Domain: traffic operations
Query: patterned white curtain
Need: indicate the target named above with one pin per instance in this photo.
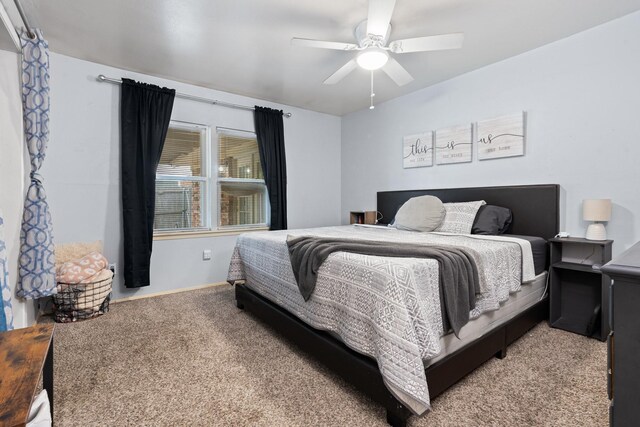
(6, 314)
(36, 262)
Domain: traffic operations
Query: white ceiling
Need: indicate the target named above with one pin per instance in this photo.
(243, 46)
(5, 40)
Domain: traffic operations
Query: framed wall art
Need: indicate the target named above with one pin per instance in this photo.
(417, 150)
(501, 137)
(453, 145)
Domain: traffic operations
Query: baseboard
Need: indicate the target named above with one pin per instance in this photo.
(168, 292)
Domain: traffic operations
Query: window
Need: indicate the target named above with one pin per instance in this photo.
(190, 197)
(242, 191)
(181, 179)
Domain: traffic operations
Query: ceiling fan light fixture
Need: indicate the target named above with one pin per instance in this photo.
(372, 58)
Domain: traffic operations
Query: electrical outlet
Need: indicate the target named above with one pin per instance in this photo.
(112, 267)
(206, 255)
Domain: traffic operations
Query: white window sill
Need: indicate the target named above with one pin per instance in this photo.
(174, 235)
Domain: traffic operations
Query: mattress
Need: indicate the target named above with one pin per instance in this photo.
(539, 248)
(530, 293)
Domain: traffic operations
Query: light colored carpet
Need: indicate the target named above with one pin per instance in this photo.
(195, 359)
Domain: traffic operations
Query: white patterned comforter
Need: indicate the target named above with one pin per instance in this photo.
(386, 308)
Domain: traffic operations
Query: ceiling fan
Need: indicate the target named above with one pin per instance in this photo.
(372, 36)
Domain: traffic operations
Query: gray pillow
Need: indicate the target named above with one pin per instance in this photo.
(491, 220)
(424, 213)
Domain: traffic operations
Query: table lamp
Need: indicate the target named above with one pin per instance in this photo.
(596, 210)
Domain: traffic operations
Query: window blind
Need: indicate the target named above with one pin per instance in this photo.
(182, 152)
(238, 156)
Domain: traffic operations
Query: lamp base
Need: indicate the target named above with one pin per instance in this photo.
(596, 231)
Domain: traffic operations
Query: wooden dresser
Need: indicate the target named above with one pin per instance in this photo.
(624, 339)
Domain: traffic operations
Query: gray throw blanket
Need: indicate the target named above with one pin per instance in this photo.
(459, 280)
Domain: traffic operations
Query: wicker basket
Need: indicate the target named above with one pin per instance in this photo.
(81, 301)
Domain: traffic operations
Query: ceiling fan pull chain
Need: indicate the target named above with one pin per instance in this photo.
(371, 107)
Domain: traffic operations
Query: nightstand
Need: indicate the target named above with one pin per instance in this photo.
(363, 217)
(579, 291)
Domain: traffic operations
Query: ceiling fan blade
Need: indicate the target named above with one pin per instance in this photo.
(428, 43)
(397, 72)
(341, 73)
(380, 12)
(323, 44)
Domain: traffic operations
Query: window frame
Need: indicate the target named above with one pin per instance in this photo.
(211, 183)
(204, 179)
(232, 181)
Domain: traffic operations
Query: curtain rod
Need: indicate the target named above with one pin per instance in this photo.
(23, 16)
(103, 78)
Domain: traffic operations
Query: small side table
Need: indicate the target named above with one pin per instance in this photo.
(363, 217)
(24, 355)
(579, 291)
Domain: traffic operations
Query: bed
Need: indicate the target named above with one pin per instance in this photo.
(393, 361)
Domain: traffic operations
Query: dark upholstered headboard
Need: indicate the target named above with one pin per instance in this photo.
(536, 208)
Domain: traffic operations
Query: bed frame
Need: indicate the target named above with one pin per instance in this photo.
(535, 213)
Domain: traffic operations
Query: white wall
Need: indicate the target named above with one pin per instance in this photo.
(582, 97)
(581, 94)
(12, 175)
(82, 173)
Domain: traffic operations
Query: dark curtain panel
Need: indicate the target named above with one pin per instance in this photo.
(145, 111)
(270, 135)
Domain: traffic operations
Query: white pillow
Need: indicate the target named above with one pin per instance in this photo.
(424, 213)
(459, 217)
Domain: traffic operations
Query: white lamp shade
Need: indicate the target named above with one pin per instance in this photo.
(596, 209)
